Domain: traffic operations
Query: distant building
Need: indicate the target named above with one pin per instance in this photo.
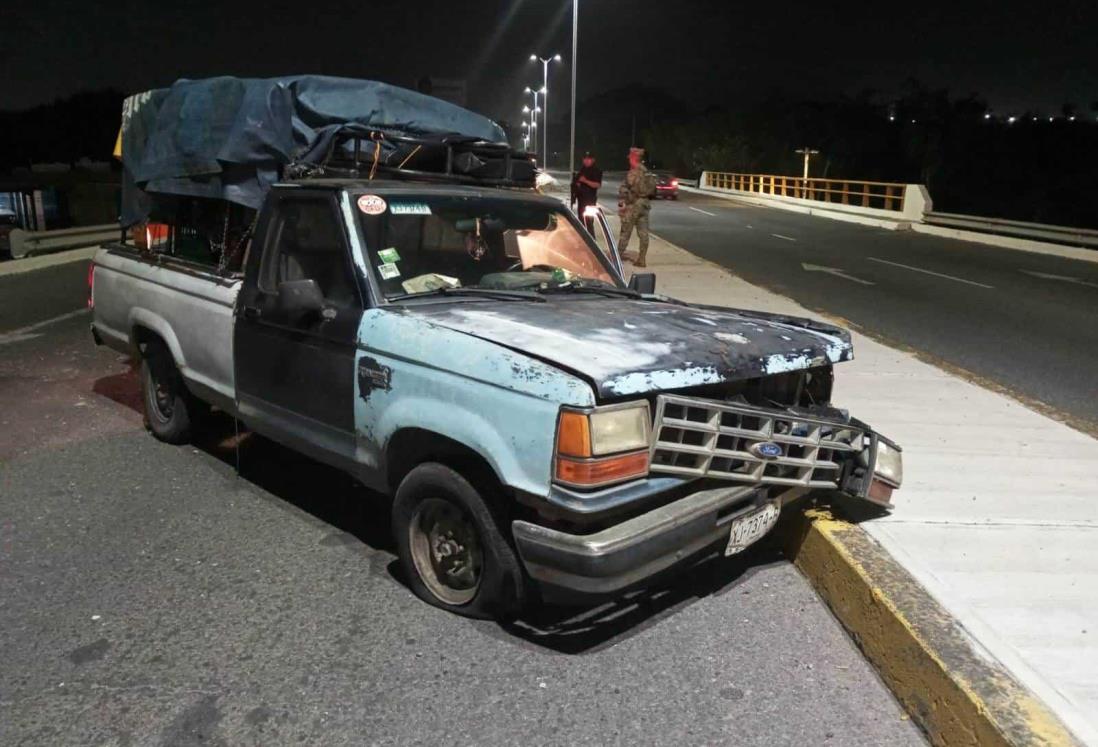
(447, 89)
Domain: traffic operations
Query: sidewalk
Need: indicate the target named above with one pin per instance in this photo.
(998, 515)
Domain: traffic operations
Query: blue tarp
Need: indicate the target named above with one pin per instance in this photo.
(230, 138)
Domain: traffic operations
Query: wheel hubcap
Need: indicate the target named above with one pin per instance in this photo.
(446, 551)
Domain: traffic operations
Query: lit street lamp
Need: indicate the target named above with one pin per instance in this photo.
(536, 111)
(545, 92)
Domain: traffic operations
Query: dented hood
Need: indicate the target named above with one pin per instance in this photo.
(625, 347)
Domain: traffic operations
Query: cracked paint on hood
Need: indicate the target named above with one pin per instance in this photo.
(625, 347)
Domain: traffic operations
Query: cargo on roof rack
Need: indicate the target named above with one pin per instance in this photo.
(355, 151)
(232, 138)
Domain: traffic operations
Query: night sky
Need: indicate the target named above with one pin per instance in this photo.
(1017, 55)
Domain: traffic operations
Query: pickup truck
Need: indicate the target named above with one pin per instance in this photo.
(542, 426)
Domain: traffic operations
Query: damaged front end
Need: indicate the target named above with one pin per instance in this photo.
(678, 473)
(814, 447)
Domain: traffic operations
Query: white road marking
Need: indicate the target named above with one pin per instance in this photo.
(931, 272)
(703, 212)
(750, 226)
(29, 332)
(834, 271)
(1063, 278)
(779, 236)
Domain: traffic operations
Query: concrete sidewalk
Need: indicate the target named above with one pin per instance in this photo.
(998, 515)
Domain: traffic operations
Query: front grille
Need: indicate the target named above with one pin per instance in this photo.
(706, 438)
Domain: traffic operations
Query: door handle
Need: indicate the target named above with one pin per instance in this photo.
(250, 312)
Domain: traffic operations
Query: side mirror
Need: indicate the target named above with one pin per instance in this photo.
(643, 282)
(300, 298)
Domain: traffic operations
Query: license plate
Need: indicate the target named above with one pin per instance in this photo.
(747, 529)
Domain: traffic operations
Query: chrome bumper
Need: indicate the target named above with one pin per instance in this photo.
(629, 552)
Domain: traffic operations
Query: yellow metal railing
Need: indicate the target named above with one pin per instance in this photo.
(879, 195)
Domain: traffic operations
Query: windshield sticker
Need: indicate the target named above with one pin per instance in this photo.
(388, 271)
(410, 208)
(371, 204)
(390, 255)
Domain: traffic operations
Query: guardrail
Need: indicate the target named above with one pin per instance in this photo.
(26, 243)
(877, 195)
(1001, 227)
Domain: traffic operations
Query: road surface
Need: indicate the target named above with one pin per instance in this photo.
(1017, 320)
(151, 595)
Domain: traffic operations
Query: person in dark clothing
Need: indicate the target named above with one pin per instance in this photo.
(585, 187)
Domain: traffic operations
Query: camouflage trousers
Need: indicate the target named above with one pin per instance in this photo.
(634, 219)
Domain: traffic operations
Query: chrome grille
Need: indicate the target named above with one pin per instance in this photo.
(706, 438)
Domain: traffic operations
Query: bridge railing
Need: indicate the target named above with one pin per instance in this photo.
(856, 193)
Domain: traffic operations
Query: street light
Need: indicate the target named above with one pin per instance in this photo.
(808, 152)
(534, 113)
(572, 131)
(545, 92)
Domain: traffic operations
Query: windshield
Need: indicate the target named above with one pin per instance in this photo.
(421, 244)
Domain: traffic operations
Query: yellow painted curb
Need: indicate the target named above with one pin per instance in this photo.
(958, 695)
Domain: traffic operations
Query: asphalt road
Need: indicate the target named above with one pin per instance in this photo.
(153, 595)
(1026, 322)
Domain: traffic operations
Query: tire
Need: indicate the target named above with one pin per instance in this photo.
(477, 573)
(169, 408)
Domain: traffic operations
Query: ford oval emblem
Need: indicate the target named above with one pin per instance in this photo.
(766, 450)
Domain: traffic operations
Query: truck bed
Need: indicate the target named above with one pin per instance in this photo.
(187, 305)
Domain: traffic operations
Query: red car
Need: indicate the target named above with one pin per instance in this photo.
(667, 186)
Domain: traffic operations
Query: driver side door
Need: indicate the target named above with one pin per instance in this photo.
(294, 350)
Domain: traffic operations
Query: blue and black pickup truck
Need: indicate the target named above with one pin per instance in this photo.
(466, 347)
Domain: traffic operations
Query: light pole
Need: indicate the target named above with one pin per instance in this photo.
(545, 93)
(533, 125)
(808, 153)
(526, 136)
(572, 132)
(533, 116)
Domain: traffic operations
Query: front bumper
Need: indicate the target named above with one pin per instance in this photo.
(635, 549)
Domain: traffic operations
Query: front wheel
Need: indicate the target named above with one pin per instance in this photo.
(451, 546)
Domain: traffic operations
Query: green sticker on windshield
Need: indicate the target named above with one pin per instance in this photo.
(388, 256)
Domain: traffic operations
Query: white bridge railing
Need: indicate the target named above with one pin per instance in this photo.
(1001, 227)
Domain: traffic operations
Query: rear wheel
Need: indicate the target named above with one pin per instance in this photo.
(168, 405)
(452, 547)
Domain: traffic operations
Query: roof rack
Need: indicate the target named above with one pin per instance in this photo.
(454, 159)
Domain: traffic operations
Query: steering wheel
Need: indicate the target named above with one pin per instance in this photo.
(538, 268)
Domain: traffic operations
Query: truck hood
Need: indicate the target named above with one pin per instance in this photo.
(625, 346)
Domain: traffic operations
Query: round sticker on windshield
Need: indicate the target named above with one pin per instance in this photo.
(371, 204)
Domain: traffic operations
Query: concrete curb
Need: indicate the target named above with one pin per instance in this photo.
(956, 692)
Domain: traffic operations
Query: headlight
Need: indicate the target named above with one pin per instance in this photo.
(889, 464)
(624, 429)
(603, 445)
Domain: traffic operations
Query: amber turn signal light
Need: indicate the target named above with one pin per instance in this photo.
(574, 434)
(592, 472)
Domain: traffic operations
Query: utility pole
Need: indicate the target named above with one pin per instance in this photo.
(572, 134)
(808, 153)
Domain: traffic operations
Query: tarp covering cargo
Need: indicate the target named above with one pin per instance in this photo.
(231, 138)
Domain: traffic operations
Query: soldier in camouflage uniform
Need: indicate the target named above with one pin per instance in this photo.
(633, 204)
